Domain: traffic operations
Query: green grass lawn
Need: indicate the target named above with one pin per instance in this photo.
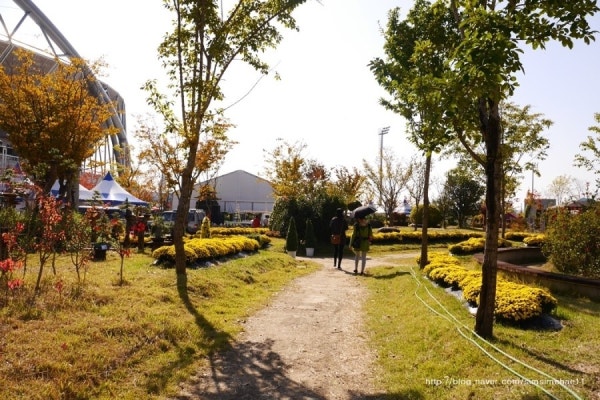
(427, 349)
(103, 340)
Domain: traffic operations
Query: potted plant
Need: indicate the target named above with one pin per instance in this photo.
(102, 232)
(310, 240)
(158, 231)
(291, 240)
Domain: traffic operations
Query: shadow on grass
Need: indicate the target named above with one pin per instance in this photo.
(579, 304)
(390, 275)
(216, 340)
(539, 356)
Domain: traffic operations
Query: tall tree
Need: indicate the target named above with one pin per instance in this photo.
(287, 168)
(561, 187)
(348, 185)
(591, 145)
(523, 146)
(485, 62)
(53, 121)
(464, 194)
(482, 57)
(167, 155)
(206, 40)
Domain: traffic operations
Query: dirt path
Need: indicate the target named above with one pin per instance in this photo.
(309, 343)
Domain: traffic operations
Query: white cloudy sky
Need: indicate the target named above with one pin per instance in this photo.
(327, 97)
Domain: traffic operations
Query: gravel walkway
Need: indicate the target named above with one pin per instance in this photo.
(308, 343)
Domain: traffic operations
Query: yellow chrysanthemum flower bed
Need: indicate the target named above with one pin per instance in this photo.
(450, 275)
(437, 260)
(433, 236)
(387, 237)
(520, 302)
(517, 236)
(197, 249)
(535, 240)
(474, 245)
(236, 231)
(514, 301)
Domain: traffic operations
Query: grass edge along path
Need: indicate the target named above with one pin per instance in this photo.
(427, 349)
(138, 340)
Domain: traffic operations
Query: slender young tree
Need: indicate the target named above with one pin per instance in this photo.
(417, 183)
(464, 193)
(412, 72)
(349, 185)
(207, 38)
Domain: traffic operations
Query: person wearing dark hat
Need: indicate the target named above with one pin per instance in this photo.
(338, 227)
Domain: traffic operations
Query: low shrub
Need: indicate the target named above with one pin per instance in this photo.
(388, 236)
(236, 231)
(437, 258)
(571, 242)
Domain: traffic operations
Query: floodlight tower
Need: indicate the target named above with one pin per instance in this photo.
(382, 131)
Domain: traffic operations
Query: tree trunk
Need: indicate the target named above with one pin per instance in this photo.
(180, 225)
(502, 203)
(417, 216)
(484, 319)
(187, 187)
(424, 234)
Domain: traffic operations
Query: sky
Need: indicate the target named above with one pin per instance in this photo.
(327, 97)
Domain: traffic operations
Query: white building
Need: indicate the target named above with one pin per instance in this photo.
(239, 192)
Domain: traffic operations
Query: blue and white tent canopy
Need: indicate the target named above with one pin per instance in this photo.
(403, 208)
(111, 192)
(84, 194)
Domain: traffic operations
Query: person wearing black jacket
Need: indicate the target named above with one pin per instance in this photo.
(338, 227)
